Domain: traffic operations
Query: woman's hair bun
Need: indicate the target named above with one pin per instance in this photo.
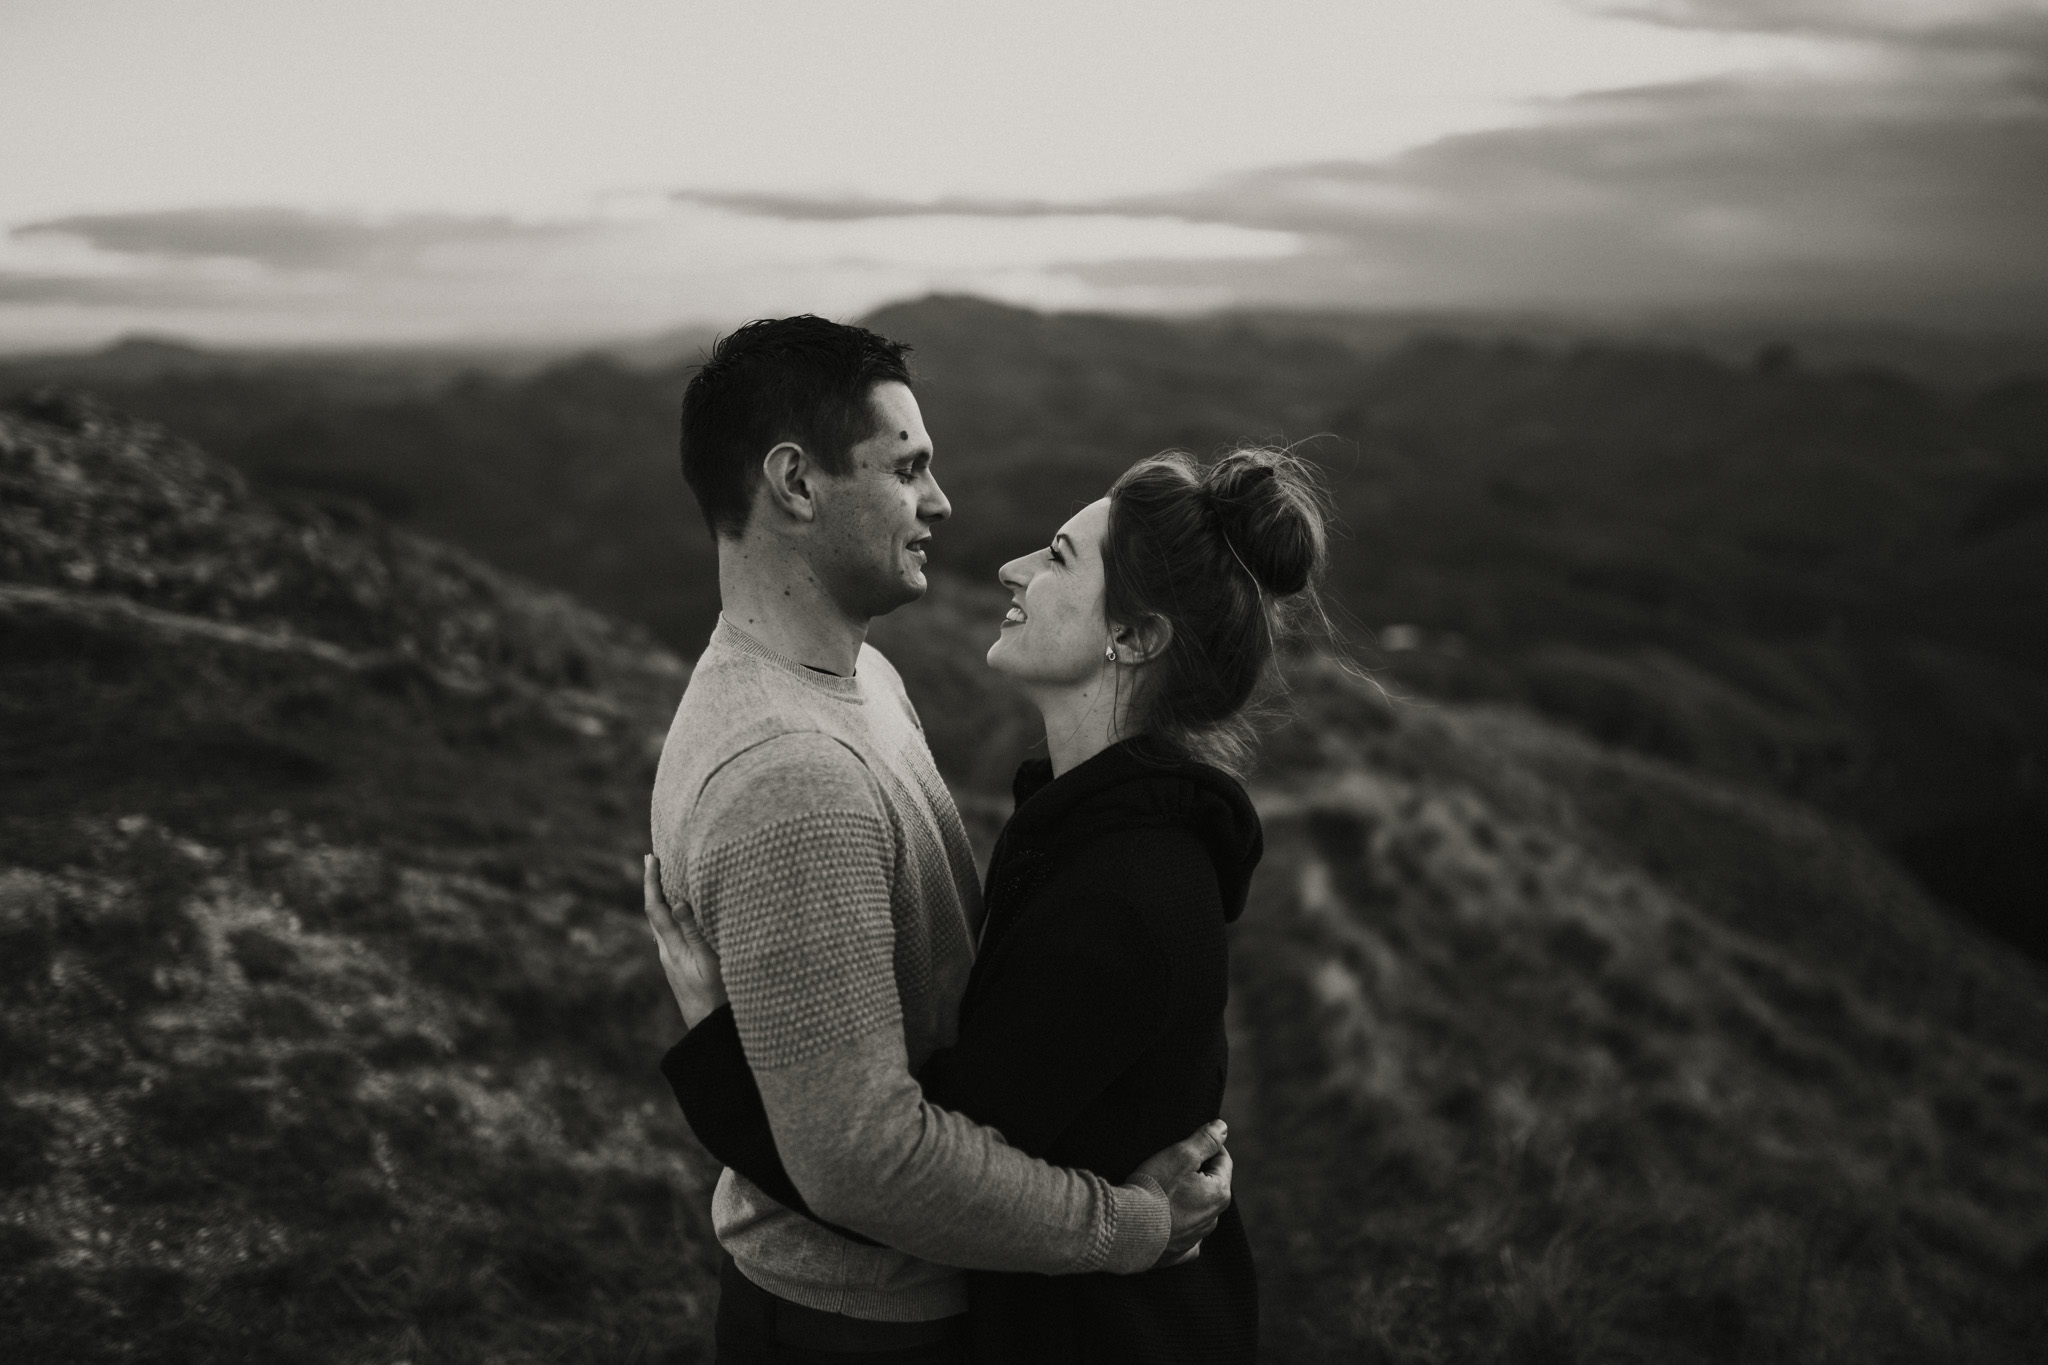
(1269, 507)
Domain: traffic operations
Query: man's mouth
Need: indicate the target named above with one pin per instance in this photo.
(1014, 616)
(919, 546)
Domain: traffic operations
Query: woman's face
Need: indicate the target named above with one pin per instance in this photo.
(1055, 633)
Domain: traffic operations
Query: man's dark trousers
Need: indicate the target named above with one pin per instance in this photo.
(757, 1328)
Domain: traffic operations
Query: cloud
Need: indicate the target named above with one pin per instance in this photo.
(1906, 185)
(1901, 180)
(27, 288)
(854, 208)
(284, 239)
(1908, 20)
(1733, 193)
(256, 276)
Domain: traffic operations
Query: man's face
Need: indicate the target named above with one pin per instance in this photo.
(874, 524)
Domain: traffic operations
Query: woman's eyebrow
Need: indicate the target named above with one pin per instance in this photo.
(1058, 536)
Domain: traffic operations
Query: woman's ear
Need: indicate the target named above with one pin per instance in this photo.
(1143, 642)
(786, 475)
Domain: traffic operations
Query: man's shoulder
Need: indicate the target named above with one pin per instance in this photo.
(874, 669)
(786, 776)
(734, 701)
(873, 658)
(882, 684)
(746, 742)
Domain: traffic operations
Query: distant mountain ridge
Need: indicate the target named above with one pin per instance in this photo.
(1937, 356)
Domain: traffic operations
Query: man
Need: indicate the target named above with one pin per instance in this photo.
(798, 811)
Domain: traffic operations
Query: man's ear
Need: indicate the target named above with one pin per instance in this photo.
(1143, 642)
(787, 479)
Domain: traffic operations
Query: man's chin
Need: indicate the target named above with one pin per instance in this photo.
(905, 592)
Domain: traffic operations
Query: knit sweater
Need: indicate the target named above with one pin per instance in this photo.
(1091, 1034)
(801, 816)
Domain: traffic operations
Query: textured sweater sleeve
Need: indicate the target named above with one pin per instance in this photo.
(794, 891)
(708, 1072)
(1086, 986)
(1067, 1015)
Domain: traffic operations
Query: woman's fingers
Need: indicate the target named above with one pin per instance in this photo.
(659, 918)
(686, 924)
(650, 883)
(675, 926)
(687, 960)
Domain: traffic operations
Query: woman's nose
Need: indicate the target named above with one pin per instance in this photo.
(1016, 574)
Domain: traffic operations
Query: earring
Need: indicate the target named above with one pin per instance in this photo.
(1110, 652)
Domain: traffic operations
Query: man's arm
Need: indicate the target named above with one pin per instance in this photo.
(708, 1072)
(1083, 991)
(797, 903)
(1072, 1009)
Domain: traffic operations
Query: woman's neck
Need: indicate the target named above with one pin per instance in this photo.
(1081, 722)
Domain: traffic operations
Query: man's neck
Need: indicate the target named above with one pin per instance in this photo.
(769, 591)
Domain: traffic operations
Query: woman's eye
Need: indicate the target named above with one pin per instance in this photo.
(1055, 555)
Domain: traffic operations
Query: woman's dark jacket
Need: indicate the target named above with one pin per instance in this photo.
(1091, 1034)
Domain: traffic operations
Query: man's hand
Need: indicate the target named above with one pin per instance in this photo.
(686, 959)
(1195, 1173)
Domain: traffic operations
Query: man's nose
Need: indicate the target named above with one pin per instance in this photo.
(934, 506)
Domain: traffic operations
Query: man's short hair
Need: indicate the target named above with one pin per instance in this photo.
(800, 379)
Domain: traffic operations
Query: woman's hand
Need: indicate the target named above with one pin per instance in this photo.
(686, 959)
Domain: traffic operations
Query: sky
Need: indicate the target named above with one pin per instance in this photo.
(257, 172)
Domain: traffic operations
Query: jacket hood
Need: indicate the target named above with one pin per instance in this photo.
(1132, 786)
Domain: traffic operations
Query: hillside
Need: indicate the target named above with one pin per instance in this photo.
(1561, 1053)
(329, 1014)
(1823, 581)
(331, 1019)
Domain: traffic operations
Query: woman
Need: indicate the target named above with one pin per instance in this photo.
(1091, 1032)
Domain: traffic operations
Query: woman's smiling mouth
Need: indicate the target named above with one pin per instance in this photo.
(1014, 616)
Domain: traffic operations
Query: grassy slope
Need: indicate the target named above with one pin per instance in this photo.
(329, 1016)
(1560, 1053)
